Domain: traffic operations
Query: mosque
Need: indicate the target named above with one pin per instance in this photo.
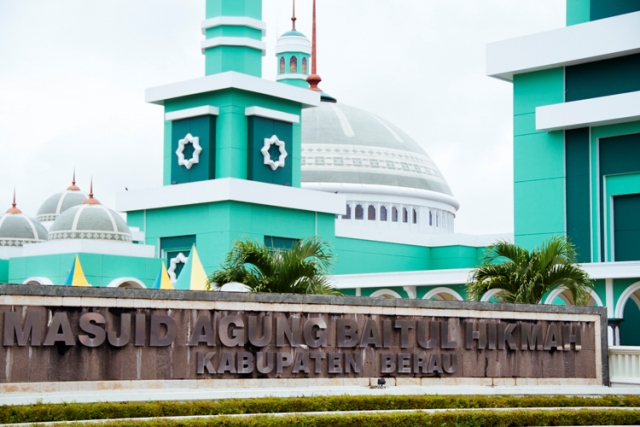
(279, 161)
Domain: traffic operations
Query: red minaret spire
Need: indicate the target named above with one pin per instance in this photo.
(314, 79)
(293, 18)
(91, 200)
(73, 186)
(14, 209)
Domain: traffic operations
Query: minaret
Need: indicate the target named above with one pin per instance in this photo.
(234, 31)
(293, 51)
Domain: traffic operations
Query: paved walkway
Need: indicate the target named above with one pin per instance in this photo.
(317, 414)
(209, 394)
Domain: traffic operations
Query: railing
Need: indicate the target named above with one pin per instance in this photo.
(624, 365)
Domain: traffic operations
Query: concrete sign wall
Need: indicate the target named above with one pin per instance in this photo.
(53, 336)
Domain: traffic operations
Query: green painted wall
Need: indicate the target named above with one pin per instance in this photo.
(578, 11)
(249, 8)
(203, 128)
(603, 78)
(448, 257)
(626, 220)
(578, 191)
(260, 129)
(629, 327)
(233, 58)
(539, 162)
(601, 9)
(99, 270)
(232, 130)
(363, 256)
(217, 225)
(4, 271)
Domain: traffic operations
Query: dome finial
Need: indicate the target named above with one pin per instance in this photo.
(293, 18)
(73, 186)
(314, 79)
(14, 209)
(91, 200)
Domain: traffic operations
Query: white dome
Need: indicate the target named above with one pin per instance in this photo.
(17, 229)
(58, 203)
(90, 221)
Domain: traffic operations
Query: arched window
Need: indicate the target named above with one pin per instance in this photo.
(437, 219)
(430, 218)
(371, 214)
(405, 215)
(304, 65)
(348, 215)
(359, 212)
(383, 213)
(394, 214)
(415, 216)
(293, 65)
(282, 65)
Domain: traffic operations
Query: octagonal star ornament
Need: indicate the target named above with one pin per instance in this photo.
(197, 149)
(268, 142)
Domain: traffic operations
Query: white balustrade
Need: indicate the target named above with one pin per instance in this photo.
(624, 365)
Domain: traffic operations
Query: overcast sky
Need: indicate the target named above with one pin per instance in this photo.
(73, 75)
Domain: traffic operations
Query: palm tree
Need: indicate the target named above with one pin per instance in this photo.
(299, 270)
(526, 276)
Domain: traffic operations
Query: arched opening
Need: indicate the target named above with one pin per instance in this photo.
(282, 65)
(43, 281)
(405, 215)
(348, 215)
(371, 214)
(415, 216)
(430, 218)
(359, 212)
(304, 66)
(386, 294)
(628, 308)
(383, 213)
(491, 296)
(293, 65)
(126, 282)
(443, 294)
(562, 296)
(394, 214)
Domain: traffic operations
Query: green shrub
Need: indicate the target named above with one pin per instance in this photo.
(93, 411)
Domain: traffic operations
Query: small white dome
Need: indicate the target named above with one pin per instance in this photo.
(60, 202)
(17, 229)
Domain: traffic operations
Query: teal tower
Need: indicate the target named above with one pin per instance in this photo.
(232, 152)
(293, 52)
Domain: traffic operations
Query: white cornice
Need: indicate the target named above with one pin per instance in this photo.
(288, 76)
(606, 110)
(406, 278)
(230, 189)
(576, 44)
(613, 270)
(383, 190)
(207, 110)
(293, 44)
(233, 41)
(234, 21)
(56, 247)
(272, 114)
(233, 80)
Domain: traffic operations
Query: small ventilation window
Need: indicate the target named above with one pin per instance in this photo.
(282, 65)
(371, 214)
(359, 212)
(293, 65)
(394, 214)
(405, 215)
(348, 215)
(383, 213)
(415, 216)
(430, 218)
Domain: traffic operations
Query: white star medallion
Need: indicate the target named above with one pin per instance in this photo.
(197, 149)
(268, 142)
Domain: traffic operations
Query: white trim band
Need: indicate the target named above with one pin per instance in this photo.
(230, 189)
(576, 44)
(235, 42)
(206, 110)
(293, 45)
(288, 76)
(606, 110)
(234, 21)
(271, 114)
(233, 80)
(383, 190)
